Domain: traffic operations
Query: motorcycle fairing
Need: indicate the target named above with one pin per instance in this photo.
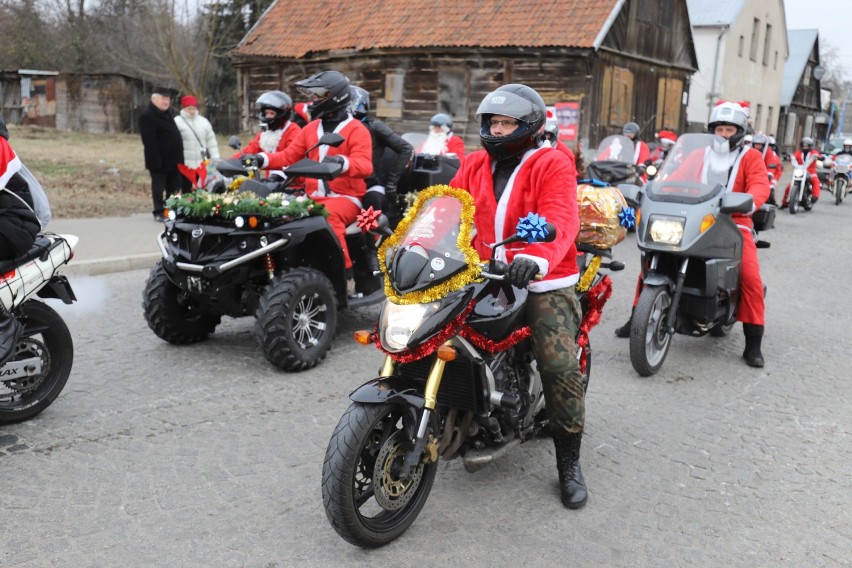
(499, 309)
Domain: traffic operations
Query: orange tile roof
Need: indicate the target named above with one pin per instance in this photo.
(293, 29)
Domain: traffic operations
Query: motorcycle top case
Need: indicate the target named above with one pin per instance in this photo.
(764, 218)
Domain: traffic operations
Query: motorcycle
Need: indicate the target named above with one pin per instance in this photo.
(37, 370)
(800, 186)
(839, 179)
(459, 378)
(613, 162)
(256, 250)
(691, 253)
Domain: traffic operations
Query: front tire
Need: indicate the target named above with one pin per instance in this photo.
(172, 314)
(793, 198)
(45, 337)
(722, 330)
(649, 340)
(839, 190)
(296, 319)
(364, 498)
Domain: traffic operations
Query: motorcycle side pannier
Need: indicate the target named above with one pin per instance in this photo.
(599, 222)
(764, 218)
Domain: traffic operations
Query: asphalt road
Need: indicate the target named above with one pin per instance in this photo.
(205, 455)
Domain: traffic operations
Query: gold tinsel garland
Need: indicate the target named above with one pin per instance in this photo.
(456, 282)
(589, 274)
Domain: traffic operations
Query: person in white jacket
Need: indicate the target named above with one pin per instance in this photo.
(199, 140)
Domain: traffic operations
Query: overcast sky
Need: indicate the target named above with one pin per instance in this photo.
(831, 18)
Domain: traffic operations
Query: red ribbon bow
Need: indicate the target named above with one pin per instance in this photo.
(368, 219)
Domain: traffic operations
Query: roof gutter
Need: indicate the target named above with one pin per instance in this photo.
(608, 24)
(712, 94)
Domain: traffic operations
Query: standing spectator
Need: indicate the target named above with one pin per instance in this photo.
(163, 148)
(199, 140)
(441, 141)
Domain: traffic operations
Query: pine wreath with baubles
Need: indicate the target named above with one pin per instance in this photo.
(202, 204)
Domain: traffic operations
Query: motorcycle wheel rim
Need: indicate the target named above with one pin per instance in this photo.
(656, 338)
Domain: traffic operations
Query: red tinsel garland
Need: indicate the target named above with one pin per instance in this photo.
(428, 346)
(597, 297)
(482, 342)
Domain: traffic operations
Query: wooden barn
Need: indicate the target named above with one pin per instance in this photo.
(601, 63)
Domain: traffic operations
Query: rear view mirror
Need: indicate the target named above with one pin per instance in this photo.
(737, 203)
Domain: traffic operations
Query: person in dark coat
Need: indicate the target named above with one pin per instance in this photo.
(18, 229)
(163, 148)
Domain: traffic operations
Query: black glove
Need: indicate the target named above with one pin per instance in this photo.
(390, 190)
(251, 161)
(521, 271)
(334, 160)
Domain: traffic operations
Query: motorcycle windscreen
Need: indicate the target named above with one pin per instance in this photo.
(428, 252)
(615, 148)
(692, 172)
(842, 163)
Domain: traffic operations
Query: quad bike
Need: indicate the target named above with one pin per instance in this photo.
(262, 252)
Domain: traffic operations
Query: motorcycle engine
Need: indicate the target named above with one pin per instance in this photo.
(511, 377)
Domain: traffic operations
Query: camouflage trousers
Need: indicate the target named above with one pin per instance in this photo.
(554, 317)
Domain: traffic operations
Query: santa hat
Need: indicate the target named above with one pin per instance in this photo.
(667, 135)
(302, 110)
(188, 101)
(741, 106)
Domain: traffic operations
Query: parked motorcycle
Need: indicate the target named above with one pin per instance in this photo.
(691, 254)
(458, 379)
(613, 162)
(37, 370)
(800, 187)
(839, 178)
(260, 251)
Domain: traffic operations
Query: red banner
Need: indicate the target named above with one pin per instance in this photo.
(568, 119)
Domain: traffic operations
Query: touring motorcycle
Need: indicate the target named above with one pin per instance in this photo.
(459, 378)
(37, 370)
(261, 250)
(691, 253)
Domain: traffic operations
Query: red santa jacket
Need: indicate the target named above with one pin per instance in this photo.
(543, 183)
(568, 152)
(288, 134)
(770, 159)
(455, 145)
(356, 150)
(799, 158)
(641, 153)
(748, 175)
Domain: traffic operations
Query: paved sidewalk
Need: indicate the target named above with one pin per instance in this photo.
(111, 244)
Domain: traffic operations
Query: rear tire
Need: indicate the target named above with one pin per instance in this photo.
(172, 314)
(296, 319)
(45, 336)
(722, 330)
(363, 453)
(649, 341)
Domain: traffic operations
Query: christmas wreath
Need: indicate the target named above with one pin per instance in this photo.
(202, 204)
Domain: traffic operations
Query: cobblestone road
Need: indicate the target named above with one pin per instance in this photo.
(156, 455)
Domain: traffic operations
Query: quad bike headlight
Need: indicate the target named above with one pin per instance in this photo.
(400, 322)
(666, 230)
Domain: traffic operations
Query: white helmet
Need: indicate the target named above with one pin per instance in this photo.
(734, 114)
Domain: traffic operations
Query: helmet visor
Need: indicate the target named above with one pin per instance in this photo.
(507, 104)
(317, 93)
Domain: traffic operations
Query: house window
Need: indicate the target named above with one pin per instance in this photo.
(617, 96)
(806, 80)
(742, 44)
(453, 94)
(669, 99)
(791, 129)
(766, 41)
(755, 31)
(769, 126)
(775, 63)
(756, 124)
(390, 106)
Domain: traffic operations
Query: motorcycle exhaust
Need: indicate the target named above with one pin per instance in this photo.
(474, 460)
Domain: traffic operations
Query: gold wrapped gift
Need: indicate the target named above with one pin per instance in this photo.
(599, 222)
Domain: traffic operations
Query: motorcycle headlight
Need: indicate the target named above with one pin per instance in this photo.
(666, 230)
(400, 322)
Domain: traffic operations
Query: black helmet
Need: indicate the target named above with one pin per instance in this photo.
(631, 130)
(521, 103)
(442, 119)
(360, 104)
(278, 101)
(327, 90)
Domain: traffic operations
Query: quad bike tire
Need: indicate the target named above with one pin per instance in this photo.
(172, 314)
(649, 341)
(296, 319)
(46, 337)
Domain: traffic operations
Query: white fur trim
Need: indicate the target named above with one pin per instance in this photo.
(345, 163)
(555, 284)
(543, 264)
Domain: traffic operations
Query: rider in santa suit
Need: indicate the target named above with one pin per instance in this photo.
(805, 151)
(513, 175)
(329, 93)
(277, 130)
(641, 153)
(760, 142)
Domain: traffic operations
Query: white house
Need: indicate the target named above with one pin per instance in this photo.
(741, 47)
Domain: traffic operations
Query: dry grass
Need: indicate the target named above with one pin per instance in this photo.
(88, 175)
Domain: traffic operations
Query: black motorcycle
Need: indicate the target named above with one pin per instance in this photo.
(257, 250)
(459, 377)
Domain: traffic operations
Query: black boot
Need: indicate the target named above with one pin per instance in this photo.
(624, 330)
(10, 333)
(754, 337)
(571, 482)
